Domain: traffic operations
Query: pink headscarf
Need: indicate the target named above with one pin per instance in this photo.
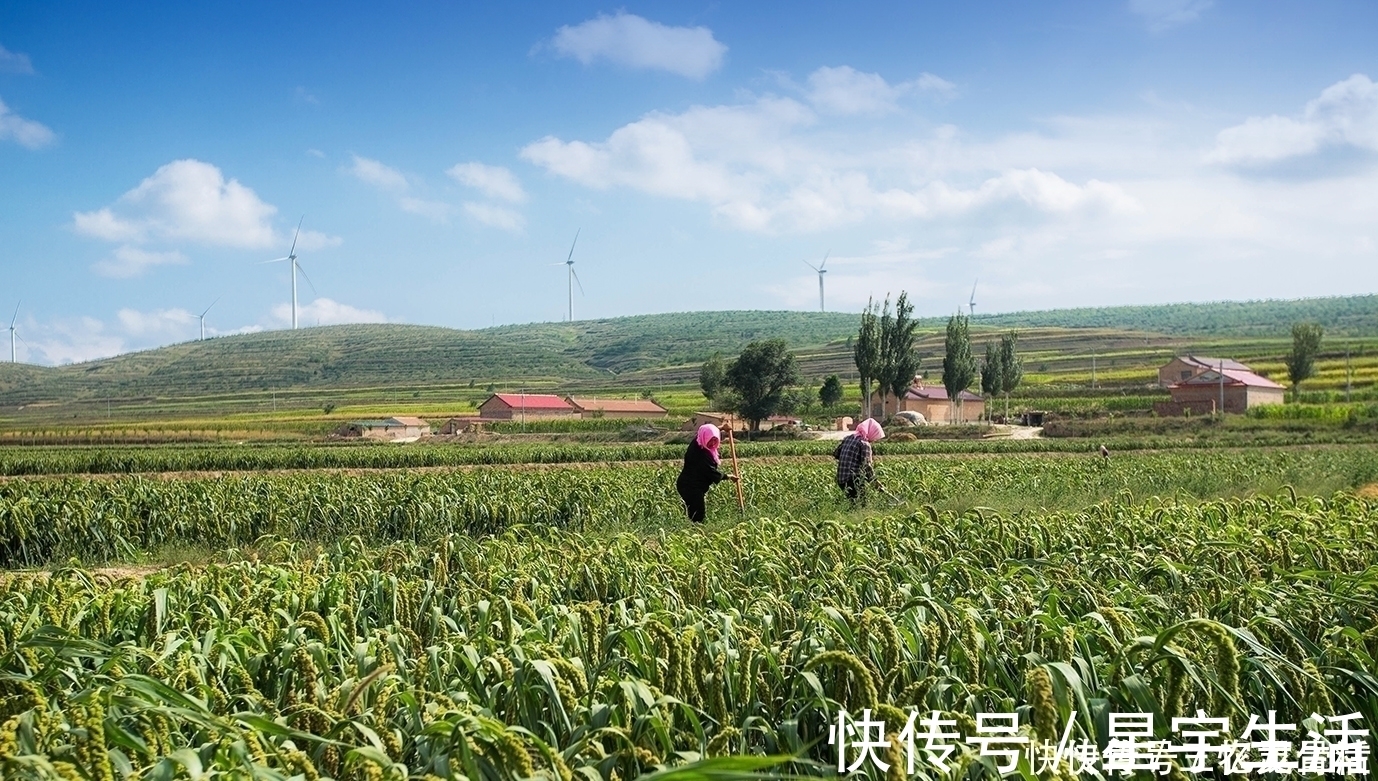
(708, 439)
(869, 430)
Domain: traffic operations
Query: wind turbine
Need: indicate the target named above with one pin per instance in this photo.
(821, 271)
(292, 257)
(202, 318)
(971, 304)
(12, 334)
(573, 277)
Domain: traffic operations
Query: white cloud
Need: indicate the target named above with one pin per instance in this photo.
(131, 262)
(25, 132)
(494, 216)
(758, 169)
(171, 324)
(14, 62)
(437, 211)
(377, 174)
(190, 200)
(311, 241)
(845, 90)
(629, 40)
(399, 185)
(1345, 114)
(324, 311)
(1162, 14)
(492, 180)
(315, 153)
(67, 341)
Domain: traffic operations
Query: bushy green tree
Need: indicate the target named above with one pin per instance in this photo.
(712, 375)
(831, 391)
(902, 362)
(866, 353)
(1301, 362)
(1011, 366)
(990, 370)
(760, 376)
(959, 365)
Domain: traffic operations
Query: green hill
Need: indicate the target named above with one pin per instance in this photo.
(597, 353)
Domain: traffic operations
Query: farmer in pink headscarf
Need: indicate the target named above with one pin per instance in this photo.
(700, 471)
(855, 467)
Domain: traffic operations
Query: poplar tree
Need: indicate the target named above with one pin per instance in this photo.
(959, 365)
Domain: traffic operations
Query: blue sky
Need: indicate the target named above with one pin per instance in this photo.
(444, 155)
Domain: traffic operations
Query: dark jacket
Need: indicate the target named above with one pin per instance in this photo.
(699, 472)
(854, 464)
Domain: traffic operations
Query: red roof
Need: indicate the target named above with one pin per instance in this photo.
(532, 401)
(1232, 378)
(937, 393)
(585, 404)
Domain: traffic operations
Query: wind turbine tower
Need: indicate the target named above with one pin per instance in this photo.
(202, 318)
(12, 321)
(573, 277)
(291, 258)
(821, 271)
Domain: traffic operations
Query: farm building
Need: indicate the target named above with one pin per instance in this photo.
(459, 424)
(931, 402)
(722, 420)
(1201, 393)
(515, 406)
(1184, 367)
(398, 429)
(616, 408)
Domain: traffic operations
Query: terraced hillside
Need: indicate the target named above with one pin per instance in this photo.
(644, 351)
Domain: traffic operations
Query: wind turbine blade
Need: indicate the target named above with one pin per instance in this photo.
(825, 260)
(571, 246)
(20, 338)
(308, 279)
(295, 235)
(16, 314)
(274, 260)
(577, 282)
(213, 303)
(810, 265)
(973, 291)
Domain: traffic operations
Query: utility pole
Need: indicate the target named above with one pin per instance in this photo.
(1349, 375)
(1221, 372)
(1093, 371)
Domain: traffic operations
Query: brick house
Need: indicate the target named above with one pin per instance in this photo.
(1201, 393)
(515, 406)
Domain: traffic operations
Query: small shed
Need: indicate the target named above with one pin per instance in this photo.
(460, 424)
(515, 406)
(395, 429)
(720, 419)
(639, 409)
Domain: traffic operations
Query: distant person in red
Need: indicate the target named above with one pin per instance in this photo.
(700, 471)
(855, 464)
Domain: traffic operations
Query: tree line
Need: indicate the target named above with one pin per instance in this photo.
(760, 382)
